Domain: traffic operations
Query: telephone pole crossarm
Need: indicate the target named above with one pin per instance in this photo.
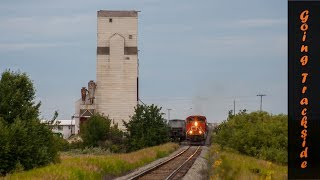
(261, 95)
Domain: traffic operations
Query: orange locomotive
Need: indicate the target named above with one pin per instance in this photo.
(196, 128)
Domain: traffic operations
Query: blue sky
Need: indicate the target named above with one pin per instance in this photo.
(196, 57)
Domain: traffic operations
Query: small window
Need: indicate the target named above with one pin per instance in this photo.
(69, 127)
(60, 127)
(110, 20)
(130, 36)
(127, 58)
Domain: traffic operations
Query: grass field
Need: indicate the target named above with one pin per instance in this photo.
(228, 164)
(96, 166)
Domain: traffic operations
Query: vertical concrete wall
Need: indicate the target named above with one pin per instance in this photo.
(117, 64)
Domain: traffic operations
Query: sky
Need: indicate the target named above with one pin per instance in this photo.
(195, 57)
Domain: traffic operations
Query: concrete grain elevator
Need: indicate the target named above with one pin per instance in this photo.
(116, 87)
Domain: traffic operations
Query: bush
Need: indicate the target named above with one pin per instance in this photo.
(147, 127)
(26, 145)
(257, 134)
(6, 156)
(61, 144)
(95, 130)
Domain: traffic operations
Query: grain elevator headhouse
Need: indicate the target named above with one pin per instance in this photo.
(117, 64)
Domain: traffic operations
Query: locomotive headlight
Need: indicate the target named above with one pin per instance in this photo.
(190, 132)
(196, 123)
(200, 132)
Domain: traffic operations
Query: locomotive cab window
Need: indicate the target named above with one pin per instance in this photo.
(201, 119)
(190, 119)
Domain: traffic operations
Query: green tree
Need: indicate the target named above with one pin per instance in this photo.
(6, 156)
(17, 97)
(147, 127)
(32, 144)
(25, 143)
(95, 130)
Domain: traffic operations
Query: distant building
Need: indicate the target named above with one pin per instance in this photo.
(115, 93)
(64, 127)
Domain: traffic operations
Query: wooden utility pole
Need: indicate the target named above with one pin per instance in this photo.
(234, 107)
(261, 95)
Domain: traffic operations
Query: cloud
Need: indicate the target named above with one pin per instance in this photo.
(48, 26)
(22, 46)
(260, 22)
(168, 28)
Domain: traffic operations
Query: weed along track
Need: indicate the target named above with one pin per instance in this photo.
(174, 168)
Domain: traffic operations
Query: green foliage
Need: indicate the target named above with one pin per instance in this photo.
(25, 143)
(6, 163)
(257, 134)
(95, 130)
(17, 97)
(60, 143)
(118, 140)
(229, 164)
(53, 124)
(147, 127)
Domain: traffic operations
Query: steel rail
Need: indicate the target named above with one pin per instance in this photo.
(178, 169)
(158, 165)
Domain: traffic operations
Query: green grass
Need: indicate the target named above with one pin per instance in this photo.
(229, 164)
(96, 166)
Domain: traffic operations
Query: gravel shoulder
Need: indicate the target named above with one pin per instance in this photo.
(199, 168)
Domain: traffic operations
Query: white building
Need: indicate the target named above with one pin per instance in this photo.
(65, 127)
(115, 93)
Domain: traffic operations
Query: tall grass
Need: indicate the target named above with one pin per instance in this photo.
(96, 166)
(229, 164)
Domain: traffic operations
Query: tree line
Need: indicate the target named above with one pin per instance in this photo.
(26, 143)
(257, 134)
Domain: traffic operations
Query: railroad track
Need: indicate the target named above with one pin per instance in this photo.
(173, 168)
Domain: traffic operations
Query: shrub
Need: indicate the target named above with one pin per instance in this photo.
(256, 134)
(95, 130)
(6, 156)
(147, 127)
(26, 145)
(61, 144)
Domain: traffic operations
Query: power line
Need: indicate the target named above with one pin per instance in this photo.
(141, 101)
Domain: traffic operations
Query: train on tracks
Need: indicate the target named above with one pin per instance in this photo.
(194, 129)
(177, 129)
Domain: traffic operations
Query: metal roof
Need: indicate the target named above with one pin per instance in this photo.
(63, 122)
(107, 13)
